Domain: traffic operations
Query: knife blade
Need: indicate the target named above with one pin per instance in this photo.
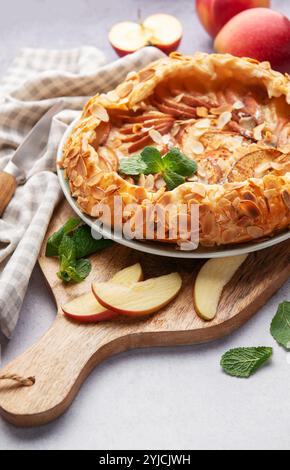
(22, 161)
(34, 143)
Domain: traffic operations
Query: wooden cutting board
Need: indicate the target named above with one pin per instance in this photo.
(67, 353)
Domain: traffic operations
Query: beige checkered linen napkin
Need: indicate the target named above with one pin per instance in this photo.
(37, 80)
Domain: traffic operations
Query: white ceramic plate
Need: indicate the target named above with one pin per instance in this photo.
(156, 248)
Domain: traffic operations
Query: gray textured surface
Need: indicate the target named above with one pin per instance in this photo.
(162, 398)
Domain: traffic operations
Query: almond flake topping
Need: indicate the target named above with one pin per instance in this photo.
(125, 89)
(255, 232)
(224, 119)
(132, 75)
(156, 136)
(238, 105)
(258, 132)
(198, 188)
(111, 189)
(197, 147)
(286, 198)
(78, 181)
(113, 96)
(248, 122)
(101, 113)
(160, 183)
(202, 111)
(94, 180)
(175, 130)
(202, 124)
(149, 182)
(146, 74)
(221, 109)
(178, 98)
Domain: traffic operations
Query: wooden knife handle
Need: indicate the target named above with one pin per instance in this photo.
(7, 189)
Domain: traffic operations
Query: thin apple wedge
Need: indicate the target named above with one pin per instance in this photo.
(129, 275)
(210, 281)
(87, 309)
(141, 298)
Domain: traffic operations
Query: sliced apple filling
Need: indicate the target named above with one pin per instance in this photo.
(225, 131)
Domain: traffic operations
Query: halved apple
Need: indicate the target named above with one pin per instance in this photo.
(162, 31)
(87, 309)
(166, 31)
(141, 298)
(210, 281)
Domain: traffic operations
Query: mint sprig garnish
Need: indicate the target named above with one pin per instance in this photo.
(243, 362)
(173, 179)
(133, 166)
(54, 240)
(67, 257)
(174, 166)
(71, 244)
(75, 272)
(71, 268)
(176, 161)
(280, 326)
(153, 160)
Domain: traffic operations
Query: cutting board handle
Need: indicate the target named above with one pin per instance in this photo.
(7, 189)
(59, 363)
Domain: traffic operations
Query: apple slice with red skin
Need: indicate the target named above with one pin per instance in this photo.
(87, 309)
(160, 30)
(140, 298)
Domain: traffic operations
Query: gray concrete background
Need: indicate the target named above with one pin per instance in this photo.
(172, 398)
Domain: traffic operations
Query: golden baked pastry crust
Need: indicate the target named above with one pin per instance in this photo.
(231, 115)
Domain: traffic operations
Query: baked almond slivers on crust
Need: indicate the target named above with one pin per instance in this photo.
(235, 129)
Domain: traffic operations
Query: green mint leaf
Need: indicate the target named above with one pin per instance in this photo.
(172, 179)
(85, 244)
(83, 268)
(243, 362)
(152, 158)
(79, 272)
(71, 224)
(174, 166)
(71, 244)
(132, 165)
(63, 276)
(71, 269)
(67, 252)
(55, 239)
(176, 161)
(67, 256)
(280, 326)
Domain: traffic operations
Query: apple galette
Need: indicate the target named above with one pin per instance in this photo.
(209, 130)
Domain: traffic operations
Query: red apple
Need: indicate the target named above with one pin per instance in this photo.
(160, 30)
(258, 33)
(214, 14)
(86, 309)
(141, 298)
